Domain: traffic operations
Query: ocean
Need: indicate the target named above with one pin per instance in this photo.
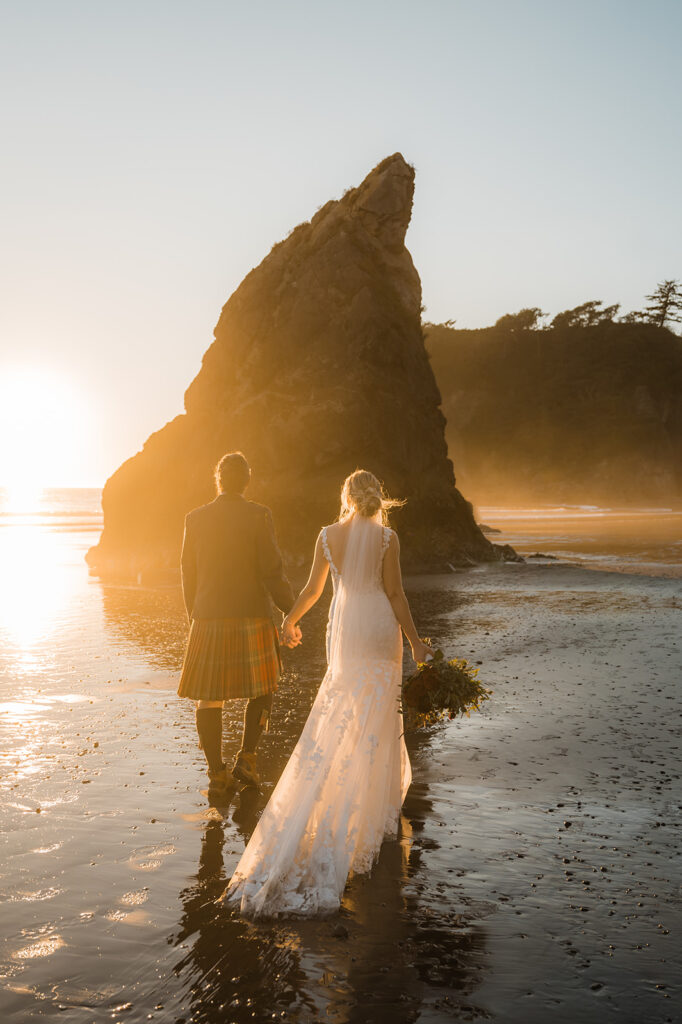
(647, 541)
(641, 540)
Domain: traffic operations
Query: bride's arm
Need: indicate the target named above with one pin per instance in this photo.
(311, 593)
(393, 585)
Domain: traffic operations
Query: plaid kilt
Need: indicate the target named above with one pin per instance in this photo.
(228, 658)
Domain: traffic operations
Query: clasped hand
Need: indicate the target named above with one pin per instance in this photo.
(290, 635)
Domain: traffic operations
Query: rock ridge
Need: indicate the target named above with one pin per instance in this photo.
(318, 366)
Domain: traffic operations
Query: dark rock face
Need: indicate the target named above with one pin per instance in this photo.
(318, 367)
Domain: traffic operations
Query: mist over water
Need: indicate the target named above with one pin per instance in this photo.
(646, 541)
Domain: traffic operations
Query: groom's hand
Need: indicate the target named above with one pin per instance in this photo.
(291, 635)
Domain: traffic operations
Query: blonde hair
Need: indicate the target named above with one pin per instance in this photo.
(362, 493)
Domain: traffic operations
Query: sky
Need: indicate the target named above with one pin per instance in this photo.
(153, 151)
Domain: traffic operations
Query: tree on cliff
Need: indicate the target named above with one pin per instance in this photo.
(524, 320)
(665, 304)
(589, 314)
(634, 317)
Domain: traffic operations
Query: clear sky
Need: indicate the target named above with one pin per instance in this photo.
(153, 151)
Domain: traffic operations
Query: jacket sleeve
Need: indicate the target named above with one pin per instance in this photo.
(270, 565)
(188, 567)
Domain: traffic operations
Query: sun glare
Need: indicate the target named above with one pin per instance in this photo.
(21, 498)
(34, 589)
(43, 421)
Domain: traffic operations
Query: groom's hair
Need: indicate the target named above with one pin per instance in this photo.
(232, 473)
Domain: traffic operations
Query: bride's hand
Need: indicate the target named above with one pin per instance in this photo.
(421, 652)
(291, 634)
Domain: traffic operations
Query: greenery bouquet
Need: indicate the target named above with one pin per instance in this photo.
(442, 688)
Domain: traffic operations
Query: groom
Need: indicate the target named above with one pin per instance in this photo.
(231, 571)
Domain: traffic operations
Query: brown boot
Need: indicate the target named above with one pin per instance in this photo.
(244, 769)
(221, 786)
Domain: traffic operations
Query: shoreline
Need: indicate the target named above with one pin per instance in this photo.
(472, 912)
(630, 539)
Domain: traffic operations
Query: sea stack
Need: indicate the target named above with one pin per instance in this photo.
(318, 367)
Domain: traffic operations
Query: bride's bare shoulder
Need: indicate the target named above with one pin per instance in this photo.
(334, 528)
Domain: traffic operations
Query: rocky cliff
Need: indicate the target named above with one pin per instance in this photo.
(318, 367)
(575, 415)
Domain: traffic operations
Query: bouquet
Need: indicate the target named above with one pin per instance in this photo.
(442, 688)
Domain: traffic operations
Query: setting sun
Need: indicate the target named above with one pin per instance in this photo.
(43, 419)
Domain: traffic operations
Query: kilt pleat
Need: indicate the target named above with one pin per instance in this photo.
(228, 658)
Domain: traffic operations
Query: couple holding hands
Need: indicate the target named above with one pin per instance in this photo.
(341, 792)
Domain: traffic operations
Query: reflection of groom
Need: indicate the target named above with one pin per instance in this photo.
(231, 567)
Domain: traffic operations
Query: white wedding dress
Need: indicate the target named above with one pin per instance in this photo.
(342, 789)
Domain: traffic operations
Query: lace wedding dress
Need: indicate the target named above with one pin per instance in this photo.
(342, 789)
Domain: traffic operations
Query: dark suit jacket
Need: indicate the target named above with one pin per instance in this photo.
(231, 562)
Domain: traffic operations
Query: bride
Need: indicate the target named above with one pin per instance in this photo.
(343, 787)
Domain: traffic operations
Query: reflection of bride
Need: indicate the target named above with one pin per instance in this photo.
(342, 789)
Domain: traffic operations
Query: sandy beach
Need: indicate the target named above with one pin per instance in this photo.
(537, 876)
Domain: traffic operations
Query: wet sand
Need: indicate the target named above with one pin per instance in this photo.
(642, 541)
(537, 876)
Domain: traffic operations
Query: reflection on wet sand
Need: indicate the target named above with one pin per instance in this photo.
(364, 966)
(153, 619)
(35, 590)
(480, 909)
(366, 970)
(229, 967)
